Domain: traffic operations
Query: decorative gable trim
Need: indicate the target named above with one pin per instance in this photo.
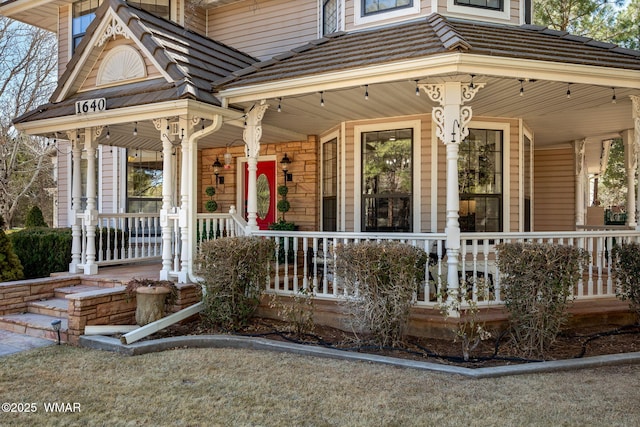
(110, 25)
(112, 30)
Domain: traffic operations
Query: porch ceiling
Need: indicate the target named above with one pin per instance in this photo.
(544, 107)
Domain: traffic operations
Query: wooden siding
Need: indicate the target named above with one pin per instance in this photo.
(90, 81)
(64, 183)
(64, 35)
(107, 185)
(196, 19)
(554, 190)
(263, 29)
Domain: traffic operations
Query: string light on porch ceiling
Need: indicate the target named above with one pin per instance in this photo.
(613, 97)
(568, 90)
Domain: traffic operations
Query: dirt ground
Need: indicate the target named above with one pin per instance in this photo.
(495, 351)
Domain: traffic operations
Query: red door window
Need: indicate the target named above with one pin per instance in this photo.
(266, 188)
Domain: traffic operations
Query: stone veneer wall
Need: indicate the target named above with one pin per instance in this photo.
(303, 190)
(113, 307)
(14, 296)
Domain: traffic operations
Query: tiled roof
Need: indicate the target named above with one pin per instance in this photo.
(431, 36)
(190, 59)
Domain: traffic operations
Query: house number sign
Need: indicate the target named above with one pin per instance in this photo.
(91, 106)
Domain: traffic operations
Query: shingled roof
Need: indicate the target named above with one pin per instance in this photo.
(432, 35)
(191, 60)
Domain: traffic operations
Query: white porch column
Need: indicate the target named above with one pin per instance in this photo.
(635, 100)
(188, 191)
(579, 155)
(167, 199)
(451, 119)
(91, 213)
(188, 199)
(630, 166)
(251, 135)
(76, 203)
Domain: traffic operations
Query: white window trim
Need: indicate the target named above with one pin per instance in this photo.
(526, 133)
(360, 19)
(341, 17)
(358, 130)
(478, 11)
(333, 135)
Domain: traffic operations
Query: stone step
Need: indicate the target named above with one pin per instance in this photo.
(61, 292)
(55, 307)
(34, 325)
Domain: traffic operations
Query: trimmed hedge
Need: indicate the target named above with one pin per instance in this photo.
(10, 267)
(42, 251)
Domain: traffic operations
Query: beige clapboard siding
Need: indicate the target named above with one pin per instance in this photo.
(349, 181)
(263, 29)
(107, 180)
(196, 20)
(554, 190)
(64, 182)
(425, 174)
(90, 81)
(64, 35)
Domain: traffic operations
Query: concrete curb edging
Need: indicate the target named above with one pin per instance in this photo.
(100, 342)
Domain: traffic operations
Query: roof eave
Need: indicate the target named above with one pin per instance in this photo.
(435, 65)
(181, 107)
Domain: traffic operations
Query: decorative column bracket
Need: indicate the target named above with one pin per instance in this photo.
(452, 118)
(251, 135)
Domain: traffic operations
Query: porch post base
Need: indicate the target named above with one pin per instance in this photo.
(91, 269)
(164, 275)
(73, 269)
(183, 277)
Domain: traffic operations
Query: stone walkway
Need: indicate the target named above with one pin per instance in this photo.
(11, 342)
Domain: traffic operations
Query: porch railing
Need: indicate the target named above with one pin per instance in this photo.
(306, 260)
(123, 238)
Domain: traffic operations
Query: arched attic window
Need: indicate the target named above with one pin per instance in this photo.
(120, 64)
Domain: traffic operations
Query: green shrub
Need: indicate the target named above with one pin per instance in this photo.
(537, 283)
(10, 266)
(233, 271)
(283, 225)
(380, 280)
(34, 218)
(43, 251)
(626, 272)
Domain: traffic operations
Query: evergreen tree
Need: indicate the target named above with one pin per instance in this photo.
(35, 218)
(10, 266)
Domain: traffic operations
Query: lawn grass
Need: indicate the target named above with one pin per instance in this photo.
(222, 387)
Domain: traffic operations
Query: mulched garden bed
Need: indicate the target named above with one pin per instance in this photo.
(496, 351)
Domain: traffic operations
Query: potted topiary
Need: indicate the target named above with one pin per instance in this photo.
(151, 298)
(210, 205)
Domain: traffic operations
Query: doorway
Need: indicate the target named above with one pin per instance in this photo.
(266, 184)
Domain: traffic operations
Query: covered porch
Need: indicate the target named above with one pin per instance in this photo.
(325, 110)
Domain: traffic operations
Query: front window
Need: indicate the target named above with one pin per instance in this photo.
(84, 11)
(144, 181)
(484, 4)
(375, 6)
(329, 16)
(387, 180)
(480, 181)
(330, 185)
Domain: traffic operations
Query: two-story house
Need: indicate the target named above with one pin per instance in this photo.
(452, 123)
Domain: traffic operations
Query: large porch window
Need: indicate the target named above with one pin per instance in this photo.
(330, 185)
(387, 185)
(480, 181)
(144, 181)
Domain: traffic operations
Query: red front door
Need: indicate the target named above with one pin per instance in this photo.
(266, 184)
